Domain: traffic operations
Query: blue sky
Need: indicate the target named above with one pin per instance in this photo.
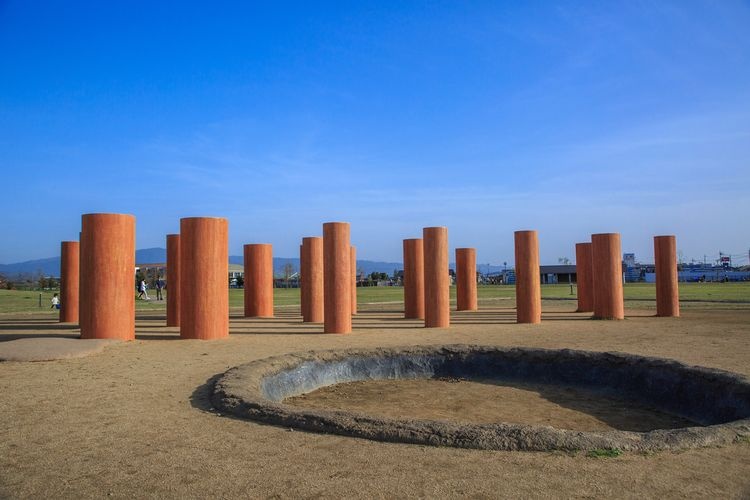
(567, 117)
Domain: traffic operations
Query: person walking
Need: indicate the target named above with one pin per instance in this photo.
(55, 302)
(142, 291)
(159, 287)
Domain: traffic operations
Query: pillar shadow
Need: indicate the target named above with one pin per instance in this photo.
(11, 336)
(26, 326)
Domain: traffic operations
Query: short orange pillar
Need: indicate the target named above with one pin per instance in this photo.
(437, 312)
(353, 265)
(204, 278)
(466, 279)
(667, 293)
(69, 279)
(606, 262)
(528, 279)
(413, 279)
(173, 280)
(584, 283)
(312, 280)
(259, 280)
(337, 294)
(107, 272)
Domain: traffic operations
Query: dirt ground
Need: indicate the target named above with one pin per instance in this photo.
(134, 421)
(486, 402)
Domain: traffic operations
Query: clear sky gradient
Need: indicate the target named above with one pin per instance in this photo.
(567, 117)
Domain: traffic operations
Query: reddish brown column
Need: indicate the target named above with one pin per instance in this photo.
(204, 278)
(107, 273)
(69, 279)
(584, 283)
(353, 265)
(437, 312)
(466, 279)
(337, 294)
(413, 279)
(665, 259)
(312, 280)
(173, 280)
(303, 303)
(528, 279)
(259, 280)
(606, 263)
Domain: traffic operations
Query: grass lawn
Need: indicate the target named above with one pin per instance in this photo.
(13, 301)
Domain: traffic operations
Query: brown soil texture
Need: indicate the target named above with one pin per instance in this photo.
(488, 402)
(135, 421)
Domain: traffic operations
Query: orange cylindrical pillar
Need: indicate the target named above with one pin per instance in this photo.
(173, 280)
(466, 279)
(204, 275)
(259, 280)
(437, 313)
(584, 283)
(413, 278)
(528, 279)
(353, 266)
(302, 289)
(312, 280)
(107, 261)
(69, 279)
(665, 259)
(337, 294)
(606, 263)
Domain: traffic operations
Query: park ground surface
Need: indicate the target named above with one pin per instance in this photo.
(135, 419)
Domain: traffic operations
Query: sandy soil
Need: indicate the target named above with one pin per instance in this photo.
(489, 402)
(134, 421)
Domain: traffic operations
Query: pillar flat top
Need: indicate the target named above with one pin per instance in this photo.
(203, 218)
(108, 213)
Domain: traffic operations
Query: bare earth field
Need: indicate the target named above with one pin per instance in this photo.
(134, 420)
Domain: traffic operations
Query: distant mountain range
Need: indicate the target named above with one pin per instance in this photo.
(51, 266)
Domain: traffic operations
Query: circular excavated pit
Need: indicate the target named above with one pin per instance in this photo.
(680, 406)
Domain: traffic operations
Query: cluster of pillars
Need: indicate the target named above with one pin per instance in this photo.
(197, 270)
(599, 276)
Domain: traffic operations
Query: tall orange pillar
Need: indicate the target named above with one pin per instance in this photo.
(303, 303)
(69, 279)
(584, 283)
(413, 278)
(528, 279)
(259, 280)
(466, 279)
(107, 272)
(173, 280)
(204, 278)
(353, 265)
(312, 280)
(606, 264)
(437, 312)
(337, 294)
(667, 293)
